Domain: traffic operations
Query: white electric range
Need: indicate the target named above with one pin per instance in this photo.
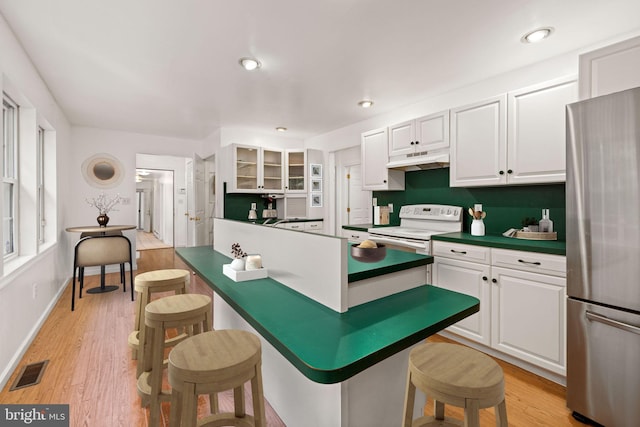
(417, 224)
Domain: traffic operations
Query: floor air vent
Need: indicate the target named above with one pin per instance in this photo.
(30, 375)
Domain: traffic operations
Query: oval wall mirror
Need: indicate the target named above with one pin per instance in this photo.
(102, 171)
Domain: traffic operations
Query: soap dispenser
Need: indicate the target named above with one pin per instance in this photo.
(545, 225)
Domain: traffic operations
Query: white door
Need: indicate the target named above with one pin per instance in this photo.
(358, 200)
(196, 228)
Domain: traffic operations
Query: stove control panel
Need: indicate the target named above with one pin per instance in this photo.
(431, 212)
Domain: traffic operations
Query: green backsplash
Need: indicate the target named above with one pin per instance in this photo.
(237, 205)
(505, 206)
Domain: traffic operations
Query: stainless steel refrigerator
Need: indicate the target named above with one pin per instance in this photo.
(603, 259)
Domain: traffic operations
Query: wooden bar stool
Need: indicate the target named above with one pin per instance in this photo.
(210, 363)
(456, 375)
(171, 280)
(191, 312)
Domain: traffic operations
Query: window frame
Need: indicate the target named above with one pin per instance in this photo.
(11, 177)
(40, 167)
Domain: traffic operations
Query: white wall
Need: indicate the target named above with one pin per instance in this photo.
(168, 152)
(22, 313)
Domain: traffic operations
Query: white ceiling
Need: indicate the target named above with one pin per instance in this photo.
(170, 67)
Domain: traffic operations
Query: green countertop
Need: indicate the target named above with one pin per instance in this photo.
(327, 346)
(394, 261)
(555, 247)
(358, 227)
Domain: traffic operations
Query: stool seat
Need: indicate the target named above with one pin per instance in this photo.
(456, 375)
(146, 284)
(175, 308)
(212, 362)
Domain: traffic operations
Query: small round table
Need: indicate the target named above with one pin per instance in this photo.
(104, 230)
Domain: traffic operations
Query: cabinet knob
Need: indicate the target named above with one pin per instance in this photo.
(494, 281)
(417, 142)
(412, 143)
(501, 172)
(509, 171)
(385, 181)
(485, 278)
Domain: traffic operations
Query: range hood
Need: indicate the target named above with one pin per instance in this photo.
(414, 162)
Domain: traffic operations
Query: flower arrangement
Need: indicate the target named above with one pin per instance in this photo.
(103, 203)
(237, 251)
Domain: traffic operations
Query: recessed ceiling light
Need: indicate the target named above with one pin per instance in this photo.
(281, 129)
(365, 103)
(537, 35)
(250, 64)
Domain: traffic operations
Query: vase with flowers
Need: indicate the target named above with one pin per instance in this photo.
(104, 205)
(238, 257)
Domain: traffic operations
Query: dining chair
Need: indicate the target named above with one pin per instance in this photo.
(92, 251)
(103, 233)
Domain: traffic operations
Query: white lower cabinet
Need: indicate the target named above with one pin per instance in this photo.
(522, 300)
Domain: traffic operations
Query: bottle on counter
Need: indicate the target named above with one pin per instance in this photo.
(545, 225)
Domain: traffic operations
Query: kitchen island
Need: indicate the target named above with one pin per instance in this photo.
(322, 367)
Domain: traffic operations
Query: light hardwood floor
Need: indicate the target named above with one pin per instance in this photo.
(146, 241)
(91, 368)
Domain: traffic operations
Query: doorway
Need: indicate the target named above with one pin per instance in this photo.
(155, 221)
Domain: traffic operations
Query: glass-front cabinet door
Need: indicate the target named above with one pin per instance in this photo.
(296, 167)
(257, 170)
(246, 168)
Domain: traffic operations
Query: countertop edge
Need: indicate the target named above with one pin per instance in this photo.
(553, 247)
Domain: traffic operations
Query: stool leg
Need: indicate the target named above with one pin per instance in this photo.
(189, 405)
(501, 415)
(213, 403)
(438, 410)
(155, 378)
(471, 413)
(176, 408)
(258, 397)
(238, 402)
(409, 399)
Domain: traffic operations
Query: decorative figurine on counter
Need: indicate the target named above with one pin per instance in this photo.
(238, 255)
(477, 225)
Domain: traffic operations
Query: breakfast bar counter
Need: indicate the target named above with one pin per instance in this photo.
(327, 347)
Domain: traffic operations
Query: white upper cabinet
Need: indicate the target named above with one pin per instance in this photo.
(257, 170)
(415, 137)
(478, 143)
(610, 69)
(374, 152)
(536, 132)
(517, 138)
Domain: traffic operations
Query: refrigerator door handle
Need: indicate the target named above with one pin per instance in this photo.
(616, 324)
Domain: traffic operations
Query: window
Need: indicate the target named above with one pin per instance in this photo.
(41, 190)
(9, 175)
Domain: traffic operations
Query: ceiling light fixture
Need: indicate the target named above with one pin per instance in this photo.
(537, 35)
(250, 64)
(366, 103)
(281, 129)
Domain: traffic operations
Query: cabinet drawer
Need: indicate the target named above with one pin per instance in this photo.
(530, 261)
(473, 253)
(314, 227)
(355, 236)
(294, 226)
